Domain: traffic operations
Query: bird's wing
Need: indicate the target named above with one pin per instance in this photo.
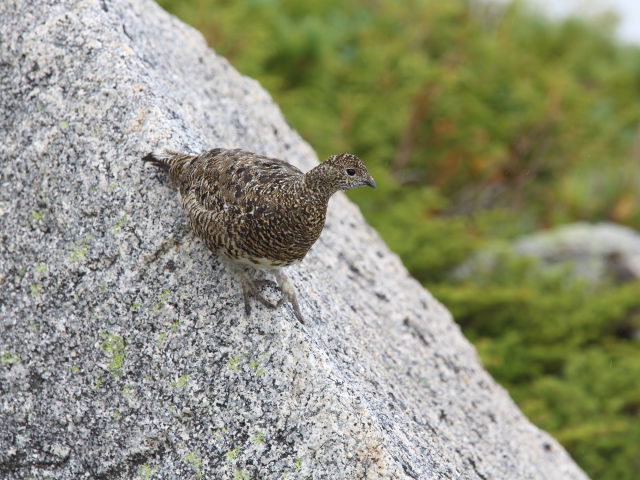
(230, 179)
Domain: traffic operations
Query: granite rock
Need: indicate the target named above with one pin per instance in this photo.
(125, 352)
(595, 253)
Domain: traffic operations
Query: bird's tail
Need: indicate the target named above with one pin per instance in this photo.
(172, 162)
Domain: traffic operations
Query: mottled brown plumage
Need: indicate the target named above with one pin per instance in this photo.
(258, 211)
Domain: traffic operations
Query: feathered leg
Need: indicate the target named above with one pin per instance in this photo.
(250, 289)
(288, 292)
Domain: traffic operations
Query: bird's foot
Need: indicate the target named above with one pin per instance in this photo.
(265, 283)
(288, 293)
(296, 308)
(250, 289)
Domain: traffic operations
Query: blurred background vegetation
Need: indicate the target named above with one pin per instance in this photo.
(480, 123)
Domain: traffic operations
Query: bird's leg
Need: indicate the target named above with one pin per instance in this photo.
(265, 283)
(288, 292)
(250, 289)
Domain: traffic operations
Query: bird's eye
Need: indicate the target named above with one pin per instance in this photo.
(351, 172)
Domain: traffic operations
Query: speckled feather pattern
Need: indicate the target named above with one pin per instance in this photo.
(257, 210)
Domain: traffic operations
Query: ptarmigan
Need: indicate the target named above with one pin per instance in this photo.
(256, 211)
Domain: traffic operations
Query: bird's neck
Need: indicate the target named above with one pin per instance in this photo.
(318, 185)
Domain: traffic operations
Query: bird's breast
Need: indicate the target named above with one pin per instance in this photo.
(281, 234)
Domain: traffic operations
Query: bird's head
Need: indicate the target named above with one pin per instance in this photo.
(346, 171)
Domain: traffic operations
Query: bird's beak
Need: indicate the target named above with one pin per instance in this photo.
(371, 182)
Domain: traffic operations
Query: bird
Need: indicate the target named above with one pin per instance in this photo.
(257, 212)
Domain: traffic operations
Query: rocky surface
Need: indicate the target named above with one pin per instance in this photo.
(594, 253)
(125, 352)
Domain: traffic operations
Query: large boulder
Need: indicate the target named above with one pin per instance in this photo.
(125, 351)
(596, 254)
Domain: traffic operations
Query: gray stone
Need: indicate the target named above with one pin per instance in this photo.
(125, 349)
(594, 252)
